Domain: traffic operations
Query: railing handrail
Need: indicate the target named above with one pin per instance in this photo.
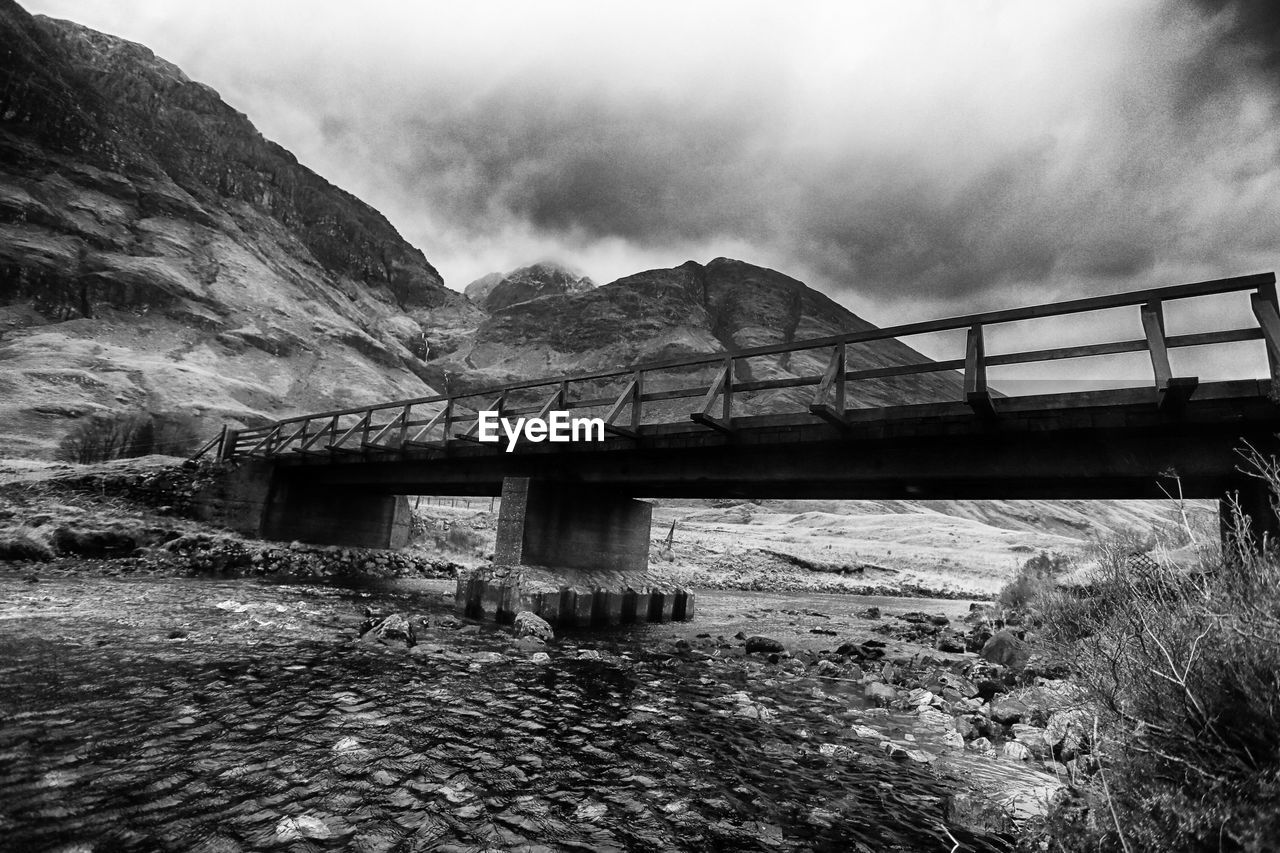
(961, 322)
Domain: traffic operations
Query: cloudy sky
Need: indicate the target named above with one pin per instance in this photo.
(909, 159)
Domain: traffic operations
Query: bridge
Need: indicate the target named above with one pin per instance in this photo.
(738, 424)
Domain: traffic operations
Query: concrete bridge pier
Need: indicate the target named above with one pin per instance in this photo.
(255, 500)
(575, 554)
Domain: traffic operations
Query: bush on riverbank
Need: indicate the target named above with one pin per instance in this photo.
(1181, 665)
(1034, 582)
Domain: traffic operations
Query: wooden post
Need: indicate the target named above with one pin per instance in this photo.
(635, 401)
(1266, 308)
(404, 425)
(976, 393)
(227, 444)
(1153, 326)
(728, 390)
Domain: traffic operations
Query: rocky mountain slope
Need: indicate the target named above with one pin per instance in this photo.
(496, 291)
(690, 310)
(157, 253)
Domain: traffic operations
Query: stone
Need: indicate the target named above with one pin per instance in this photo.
(529, 624)
(1067, 732)
(940, 680)
(541, 657)
(302, 827)
(1009, 711)
(391, 630)
(1005, 648)
(1017, 751)
(953, 740)
(764, 645)
(879, 692)
(933, 719)
(1035, 739)
(980, 744)
(870, 613)
(829, 668)
(919, 696)
(951, 643)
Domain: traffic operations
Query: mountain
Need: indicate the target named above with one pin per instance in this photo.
(478, 290)
(689, 310)
(494, 291)
(157, 253)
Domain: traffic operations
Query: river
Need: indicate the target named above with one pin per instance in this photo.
(161, 713)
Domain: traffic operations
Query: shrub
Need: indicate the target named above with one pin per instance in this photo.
(1182, 668)
(1034, 582)
(101, 438)
(463, 539)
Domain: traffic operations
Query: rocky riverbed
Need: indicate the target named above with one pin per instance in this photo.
(153, 712)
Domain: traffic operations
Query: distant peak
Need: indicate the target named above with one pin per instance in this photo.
(496, 291)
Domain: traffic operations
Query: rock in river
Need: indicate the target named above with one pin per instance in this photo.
(529, 624)
(391, 630)
(764, 645)
(1006, 649)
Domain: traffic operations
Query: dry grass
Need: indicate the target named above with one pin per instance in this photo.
(1181, 664)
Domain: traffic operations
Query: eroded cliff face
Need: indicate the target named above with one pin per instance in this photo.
(156, 252)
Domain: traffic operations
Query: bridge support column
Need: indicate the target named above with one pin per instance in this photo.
(336, 516)
(573, 554)
(253, 499)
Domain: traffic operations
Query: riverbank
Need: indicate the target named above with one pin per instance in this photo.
(139, 514)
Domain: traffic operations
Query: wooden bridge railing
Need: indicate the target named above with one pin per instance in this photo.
(433, 422)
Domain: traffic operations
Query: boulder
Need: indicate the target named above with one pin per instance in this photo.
(1005, 648)
(980, 744)
(1068, 732)
(1033, 738)
(391, 630)
(1016, 751)
(829, 668)
(879, 692)
(1008, 711)
(764, 645)
(530, 624)
(866, 650)
(940, 680)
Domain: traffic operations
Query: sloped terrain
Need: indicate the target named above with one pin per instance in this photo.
(157, 253)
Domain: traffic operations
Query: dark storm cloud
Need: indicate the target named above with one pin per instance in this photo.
(926, 155)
